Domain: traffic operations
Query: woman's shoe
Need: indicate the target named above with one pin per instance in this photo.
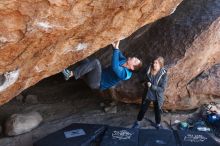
(136, 125)
(158, 126)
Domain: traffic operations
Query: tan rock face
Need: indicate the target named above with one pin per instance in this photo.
(207, 85)
(189, 40)
(39, 38)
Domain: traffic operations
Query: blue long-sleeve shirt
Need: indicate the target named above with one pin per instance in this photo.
(116, 72)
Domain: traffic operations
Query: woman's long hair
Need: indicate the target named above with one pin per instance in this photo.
(160, 60)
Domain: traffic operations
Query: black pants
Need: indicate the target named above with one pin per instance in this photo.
(144, 106)
(89, 71)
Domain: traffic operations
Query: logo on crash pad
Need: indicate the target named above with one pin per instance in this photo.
(194, 138)
(121, 135)
(74, 133)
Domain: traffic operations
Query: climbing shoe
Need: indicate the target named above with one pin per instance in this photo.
(66, 73)
(158, 127)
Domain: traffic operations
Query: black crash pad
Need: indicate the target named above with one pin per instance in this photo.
(191, 138)
(116, 136)
(73, 135)
(152, 137)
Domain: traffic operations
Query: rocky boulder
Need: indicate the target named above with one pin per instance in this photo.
(22, 123)
(41, 38)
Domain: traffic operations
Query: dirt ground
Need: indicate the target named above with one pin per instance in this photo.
(64, 102)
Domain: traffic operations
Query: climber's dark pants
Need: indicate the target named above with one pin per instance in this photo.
(90, 71)
(2, 79)
(144, 106)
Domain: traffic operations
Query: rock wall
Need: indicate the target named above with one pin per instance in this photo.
(206, 86)
(39, 38)
(189, 40)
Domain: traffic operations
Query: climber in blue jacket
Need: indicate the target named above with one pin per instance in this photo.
(121, 68)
